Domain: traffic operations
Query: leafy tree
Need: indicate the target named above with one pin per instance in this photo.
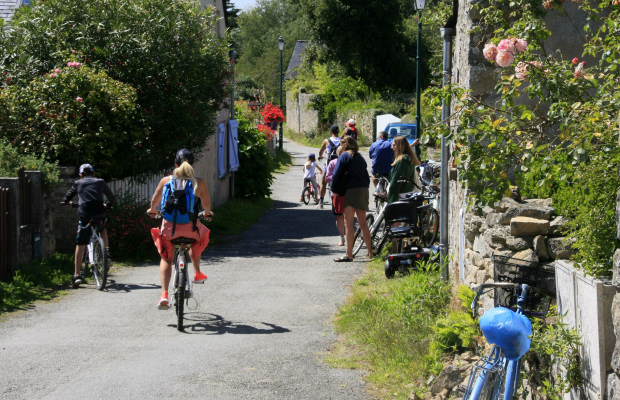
(167, 51)
(259, 29)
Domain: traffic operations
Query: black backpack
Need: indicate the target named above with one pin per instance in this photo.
(333, 151)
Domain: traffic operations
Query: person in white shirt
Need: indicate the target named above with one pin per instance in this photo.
(310, 168)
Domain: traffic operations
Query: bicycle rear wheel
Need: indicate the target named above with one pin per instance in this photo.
(306, 195)
(429, 226)
(100, 264)
(358, 239)
(179, 298)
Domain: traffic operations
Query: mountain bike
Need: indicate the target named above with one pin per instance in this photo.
(496, 376)
(94, 257)
(308, 192)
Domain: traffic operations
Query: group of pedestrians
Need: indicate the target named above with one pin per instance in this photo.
(347, 174)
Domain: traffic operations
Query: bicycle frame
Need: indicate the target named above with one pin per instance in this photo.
(496, 372)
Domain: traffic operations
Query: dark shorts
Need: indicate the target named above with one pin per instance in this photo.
(337, 204)
(83, 232)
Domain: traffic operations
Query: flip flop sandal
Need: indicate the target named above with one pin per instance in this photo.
(342, 259)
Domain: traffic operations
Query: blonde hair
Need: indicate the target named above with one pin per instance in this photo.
(349, 144)
(403, 148)
(185, 171)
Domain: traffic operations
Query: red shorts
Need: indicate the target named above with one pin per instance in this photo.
(337, 204)
(163, 235)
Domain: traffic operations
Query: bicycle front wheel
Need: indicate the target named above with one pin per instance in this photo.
(306, 195)
(100, 264)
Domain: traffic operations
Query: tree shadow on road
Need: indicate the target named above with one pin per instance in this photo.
(213, 324)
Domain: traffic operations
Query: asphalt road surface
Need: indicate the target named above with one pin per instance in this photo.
(259, 330)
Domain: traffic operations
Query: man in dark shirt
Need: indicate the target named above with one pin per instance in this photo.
(90, 192)
(382, 156)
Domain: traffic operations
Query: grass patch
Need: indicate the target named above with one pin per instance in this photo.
(387, 327)
(227, 221)
(282, 162)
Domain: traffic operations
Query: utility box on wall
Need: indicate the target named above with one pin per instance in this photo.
(586, 303)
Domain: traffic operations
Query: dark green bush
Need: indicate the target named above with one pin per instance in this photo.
(253, 179)
(129, 228)
(11, 161)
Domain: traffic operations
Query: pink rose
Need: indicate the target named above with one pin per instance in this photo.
(504, 59)
(521, 45)
(58, 70)
(580, 71)
(507, 46)
(521, 70)
(575, 60)
(490, 51)
(53, 75)
(79, 99)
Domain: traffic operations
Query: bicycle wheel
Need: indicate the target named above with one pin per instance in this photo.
(429, 226)
(306, 195)
(100, 264)
(179, 296)
(381, 195)
(358, 239)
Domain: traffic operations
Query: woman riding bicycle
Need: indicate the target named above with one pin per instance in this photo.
(170, 230)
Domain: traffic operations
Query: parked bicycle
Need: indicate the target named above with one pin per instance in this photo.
(496, 376)
(309, 193)
(381, 194)
(95, 259)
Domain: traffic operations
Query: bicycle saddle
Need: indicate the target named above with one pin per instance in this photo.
(508, 330)
(182, 240)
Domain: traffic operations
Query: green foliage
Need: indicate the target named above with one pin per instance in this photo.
(456, 332)
(73, 115)
(391, 323)
(253, 179)
(166, 51)
(11, 161)
(36, 280)
(129, 228)
(564, 144)
(259, 29)
(554, 359)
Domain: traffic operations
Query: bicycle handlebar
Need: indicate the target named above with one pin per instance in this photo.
(479, 289)
(202, 213)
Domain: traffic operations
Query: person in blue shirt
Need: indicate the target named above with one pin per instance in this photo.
(382, 156)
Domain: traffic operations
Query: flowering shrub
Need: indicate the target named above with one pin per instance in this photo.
(266, 131)
(167, 53)
(72, 115)
(272, 113)
(253, 179)
(129, 228)
(566, 149)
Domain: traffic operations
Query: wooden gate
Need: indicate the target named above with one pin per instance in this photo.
(5, 229)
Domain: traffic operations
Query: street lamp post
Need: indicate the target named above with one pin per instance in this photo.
(419, 6)
(281, 47)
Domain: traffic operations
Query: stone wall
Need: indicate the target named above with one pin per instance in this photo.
(299, 117)
(613, 378)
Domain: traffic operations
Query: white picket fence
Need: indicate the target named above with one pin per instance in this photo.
(143, 189)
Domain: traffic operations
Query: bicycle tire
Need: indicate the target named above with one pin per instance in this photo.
(429, 226)
(358, 239)
(306, 195)
(100, 264)
(179, 297)
(486, 387)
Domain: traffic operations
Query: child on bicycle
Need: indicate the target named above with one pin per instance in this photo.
(337, 200)
(90, 192)
(170, 230)
(309, 169)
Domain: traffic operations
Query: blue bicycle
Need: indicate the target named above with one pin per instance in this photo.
(496, 375)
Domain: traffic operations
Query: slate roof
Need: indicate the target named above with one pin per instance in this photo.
(296, 59)
(7, 8)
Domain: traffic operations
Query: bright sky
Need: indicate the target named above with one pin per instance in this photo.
(244, 5)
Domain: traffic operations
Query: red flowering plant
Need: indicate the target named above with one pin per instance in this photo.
(272, 113)
(266, 131)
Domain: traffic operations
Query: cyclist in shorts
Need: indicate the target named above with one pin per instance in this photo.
(90, 192)
(162, 236)
(329, 146)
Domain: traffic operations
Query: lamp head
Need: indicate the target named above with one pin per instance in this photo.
(420, 4)
(281, 43)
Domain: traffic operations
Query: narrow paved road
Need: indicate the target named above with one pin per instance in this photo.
(259, 331)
